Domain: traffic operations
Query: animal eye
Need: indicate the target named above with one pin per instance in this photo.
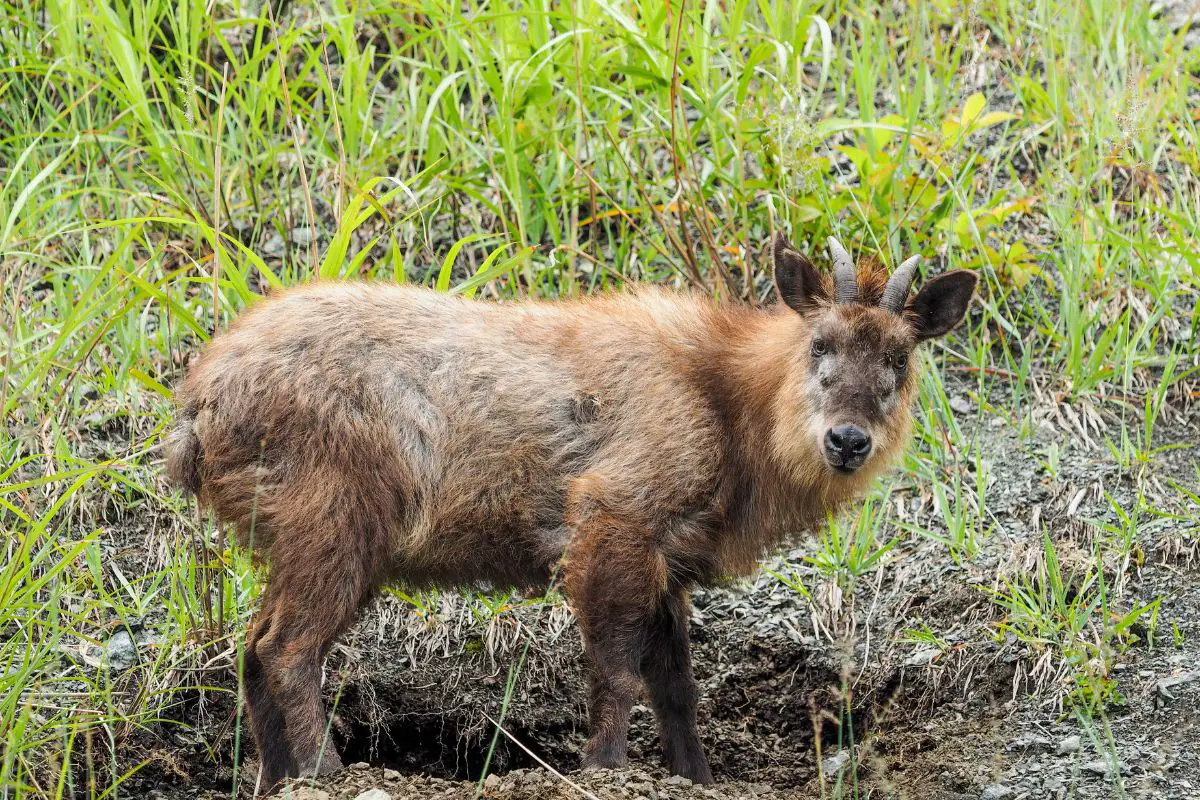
(819, 348)
(900, 360)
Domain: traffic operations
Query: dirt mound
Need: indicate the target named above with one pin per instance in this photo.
(360, 782)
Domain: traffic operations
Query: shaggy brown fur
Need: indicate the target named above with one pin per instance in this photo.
(644, 442)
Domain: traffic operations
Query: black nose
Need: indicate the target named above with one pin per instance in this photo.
(847, 446)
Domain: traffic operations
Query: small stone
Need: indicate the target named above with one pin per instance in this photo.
(273, 246)
(391, 775)
(921, 657)
(833, 765)
(303, 793)
(301, 235)
(1030, 742)
(960, 404)
(491, 781)
(121, 652)
(373, 794)
(359, 765)
(1166, 684)
(1098, 767)
(1071, 744)
(678, 780)
(997, 791)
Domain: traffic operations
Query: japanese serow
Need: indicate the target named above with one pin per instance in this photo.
(634, 445)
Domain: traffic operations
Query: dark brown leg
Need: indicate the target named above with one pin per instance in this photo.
(292, 653)
(614, 578)
(667, 670)
(322, 568)
(266, 720)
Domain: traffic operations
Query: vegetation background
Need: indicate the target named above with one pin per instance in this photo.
(163, 164)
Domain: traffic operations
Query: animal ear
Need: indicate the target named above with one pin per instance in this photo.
(798, 282)
(942, 303)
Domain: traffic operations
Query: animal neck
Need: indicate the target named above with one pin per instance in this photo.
(749, 370)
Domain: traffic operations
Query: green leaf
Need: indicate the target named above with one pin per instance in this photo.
(994, 118)
(443, 280)
(150, 383)
(487, 271)
(972, 109)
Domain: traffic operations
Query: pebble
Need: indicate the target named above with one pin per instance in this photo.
(833, 765)
(1166, 684)
(303, 793)
(374, 794)
(301, 235)
(1030, 742)
(960, 404)
(391, 775)
(120, 653)
(273, 246)
(678, 780)
(922, 657)
(1098, 767)
(997, 791)
(1071, 744)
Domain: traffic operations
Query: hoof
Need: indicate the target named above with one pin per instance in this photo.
(701, 775)
(330, 762)
(601, 762)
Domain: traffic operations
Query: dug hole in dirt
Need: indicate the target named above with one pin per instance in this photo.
(424, 721)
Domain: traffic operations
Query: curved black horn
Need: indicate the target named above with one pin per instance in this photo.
(895, 294)
(845, 280)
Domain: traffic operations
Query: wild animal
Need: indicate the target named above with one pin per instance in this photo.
(635, 444)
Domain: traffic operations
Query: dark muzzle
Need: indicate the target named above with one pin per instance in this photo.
(847, 447)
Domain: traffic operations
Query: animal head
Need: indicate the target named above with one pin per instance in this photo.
(852, 374)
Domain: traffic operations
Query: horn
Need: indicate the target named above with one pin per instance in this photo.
(845, 280)
(895, 294)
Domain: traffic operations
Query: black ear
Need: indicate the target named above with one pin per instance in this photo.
(798, 282)
(942, 303)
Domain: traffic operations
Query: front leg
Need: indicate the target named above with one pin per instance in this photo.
(615, 579)
(667, 670)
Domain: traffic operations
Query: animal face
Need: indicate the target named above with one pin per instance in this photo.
(857, 376)
(855, 348)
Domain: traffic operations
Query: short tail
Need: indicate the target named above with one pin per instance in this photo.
(184, 453)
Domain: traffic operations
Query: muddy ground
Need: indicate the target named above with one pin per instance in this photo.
(974, 714)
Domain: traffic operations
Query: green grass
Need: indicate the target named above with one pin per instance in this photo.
(1073, 629)
(161, 166)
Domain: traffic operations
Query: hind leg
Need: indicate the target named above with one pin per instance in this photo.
(325, 556)
(266, 718)
(303, 626)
